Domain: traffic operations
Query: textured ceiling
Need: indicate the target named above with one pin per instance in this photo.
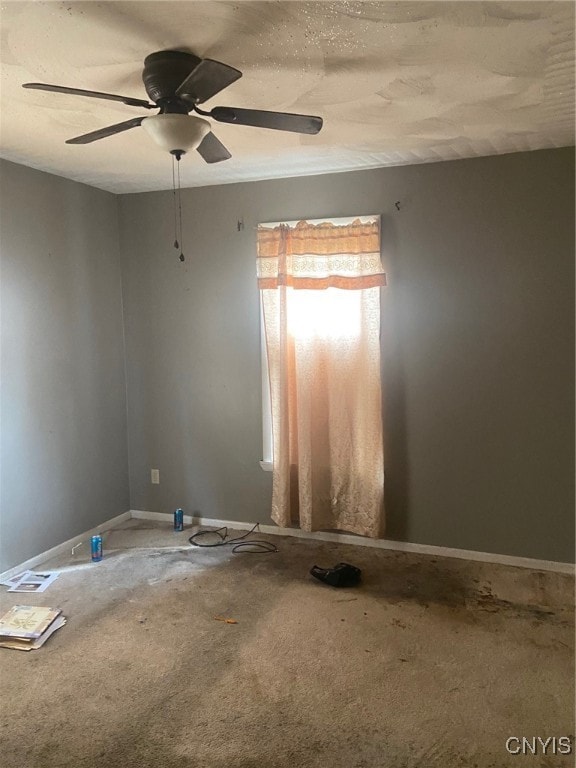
(396, 82)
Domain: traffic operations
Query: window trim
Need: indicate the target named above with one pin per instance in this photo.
(267, 462)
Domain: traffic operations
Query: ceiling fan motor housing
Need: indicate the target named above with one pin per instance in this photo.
(163, 73)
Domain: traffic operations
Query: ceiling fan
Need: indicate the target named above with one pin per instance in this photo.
(177, 82)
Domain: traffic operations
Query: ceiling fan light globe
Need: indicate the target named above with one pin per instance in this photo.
(174, 132)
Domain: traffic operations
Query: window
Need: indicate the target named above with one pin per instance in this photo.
(331, 314)
(322, 433)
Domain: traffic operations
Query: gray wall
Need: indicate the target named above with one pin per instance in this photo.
(63, 396)
(477, 345)
(477, 342)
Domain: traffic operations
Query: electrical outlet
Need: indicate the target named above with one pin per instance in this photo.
(155, 476)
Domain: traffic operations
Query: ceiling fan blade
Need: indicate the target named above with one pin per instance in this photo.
(94, 94)
(279, 121)
(212, 149)
(206, 80)
(110, 130)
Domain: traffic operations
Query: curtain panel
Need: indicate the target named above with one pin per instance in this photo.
(320, 286)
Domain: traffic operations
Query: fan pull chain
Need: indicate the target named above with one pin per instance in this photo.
(180, 210)
(176, 243)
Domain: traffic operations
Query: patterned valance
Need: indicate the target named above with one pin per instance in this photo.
(320, 255)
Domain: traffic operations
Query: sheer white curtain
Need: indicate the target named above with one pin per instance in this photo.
(320, 286)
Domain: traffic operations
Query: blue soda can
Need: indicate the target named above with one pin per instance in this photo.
(178, 520)
(96, 548)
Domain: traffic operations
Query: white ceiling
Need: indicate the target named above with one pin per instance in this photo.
(396, 82)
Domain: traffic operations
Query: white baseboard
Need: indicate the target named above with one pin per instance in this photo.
(346, 538)
(343, 538)
(66, 546)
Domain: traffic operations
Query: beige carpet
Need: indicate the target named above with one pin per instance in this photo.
(430, 663)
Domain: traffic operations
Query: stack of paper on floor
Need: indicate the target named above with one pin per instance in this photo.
(27, 627)
(30, 581)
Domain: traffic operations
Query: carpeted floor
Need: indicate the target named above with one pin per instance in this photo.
(429, 664)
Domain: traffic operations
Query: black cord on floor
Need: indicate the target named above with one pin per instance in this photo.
(238, 544)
